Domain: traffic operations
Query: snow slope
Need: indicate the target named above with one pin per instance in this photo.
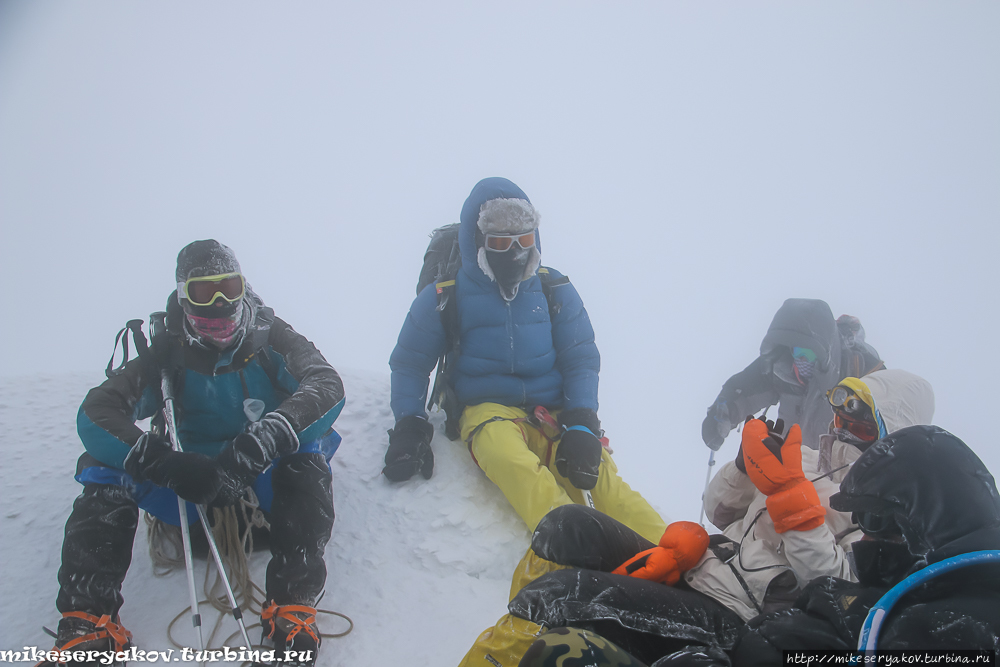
(421, 567)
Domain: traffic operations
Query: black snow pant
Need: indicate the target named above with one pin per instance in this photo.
(97, 549)
(301, 520)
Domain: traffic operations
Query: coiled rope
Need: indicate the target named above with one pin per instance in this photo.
(167, 554)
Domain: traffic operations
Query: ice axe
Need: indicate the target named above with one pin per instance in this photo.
(158, 332)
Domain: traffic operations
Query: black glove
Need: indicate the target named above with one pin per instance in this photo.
(409, 449)
(716, 426)
(192, 476)
(578, 457)
(773, 442)
(249, 454)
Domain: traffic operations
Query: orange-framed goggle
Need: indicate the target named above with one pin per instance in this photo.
(503, 242)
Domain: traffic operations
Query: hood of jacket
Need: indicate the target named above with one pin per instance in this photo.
(900, 399)
(934, 485)
(495, 205)
(805, 323)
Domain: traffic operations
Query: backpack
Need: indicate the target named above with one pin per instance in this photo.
(857, 358)
(442, 261)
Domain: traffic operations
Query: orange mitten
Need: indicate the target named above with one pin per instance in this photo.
(682, 544)
(792, 500)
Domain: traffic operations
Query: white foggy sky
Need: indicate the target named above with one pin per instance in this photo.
(694, 163)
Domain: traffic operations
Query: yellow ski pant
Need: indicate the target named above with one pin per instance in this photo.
(520, 459)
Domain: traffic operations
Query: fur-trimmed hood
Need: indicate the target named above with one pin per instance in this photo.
(496, 205)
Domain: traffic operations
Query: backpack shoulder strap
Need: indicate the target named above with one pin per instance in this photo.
(550, 281)
(442, 394)
(141, 346)
(445, 289)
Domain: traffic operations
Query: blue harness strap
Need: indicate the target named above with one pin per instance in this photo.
(868, 638)
(162, 503)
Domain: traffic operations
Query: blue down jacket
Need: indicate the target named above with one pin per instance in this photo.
(510, 353)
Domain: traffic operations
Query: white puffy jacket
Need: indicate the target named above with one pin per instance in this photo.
(774, 567)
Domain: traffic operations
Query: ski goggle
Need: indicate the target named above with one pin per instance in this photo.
(503, 242)
(804, 353)
(844, 399)
(865, 430)
(206, 290)
(877, 525)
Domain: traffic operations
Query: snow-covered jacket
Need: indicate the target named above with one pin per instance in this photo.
(841, 352)
(776, 566)
(212, 387)
(510, 352)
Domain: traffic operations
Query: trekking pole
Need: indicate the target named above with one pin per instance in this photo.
(158, 326)
(589, 499)
(708, 478)
(237, 612)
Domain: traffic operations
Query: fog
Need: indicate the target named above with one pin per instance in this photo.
(694, 164)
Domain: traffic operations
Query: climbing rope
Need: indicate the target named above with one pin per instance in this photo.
(166, 553)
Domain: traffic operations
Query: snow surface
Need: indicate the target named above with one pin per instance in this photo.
(421, 567)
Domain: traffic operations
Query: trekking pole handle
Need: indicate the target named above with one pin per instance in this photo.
(158, 334)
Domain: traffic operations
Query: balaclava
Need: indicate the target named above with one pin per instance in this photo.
(220, 324)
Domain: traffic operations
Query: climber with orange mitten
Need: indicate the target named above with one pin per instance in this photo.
(775, 468)
(680, 548)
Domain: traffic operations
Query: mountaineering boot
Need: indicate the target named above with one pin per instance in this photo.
(81, 633)
(291, 631)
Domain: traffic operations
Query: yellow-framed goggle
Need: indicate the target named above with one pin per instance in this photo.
(206, 290)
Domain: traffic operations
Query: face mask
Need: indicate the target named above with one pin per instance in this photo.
(219, 332)
(508, 269)
(803, 364)
(784, 372)
(881, 563)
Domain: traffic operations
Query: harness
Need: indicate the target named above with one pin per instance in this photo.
(542, 421)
